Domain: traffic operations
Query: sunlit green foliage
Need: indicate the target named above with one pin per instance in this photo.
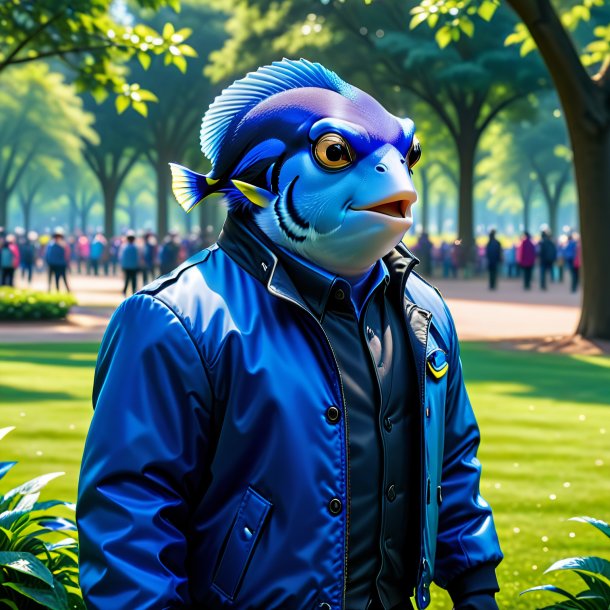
(594, 571)
(42, 122)
(19, 304)
(38, 563)
(92, 40)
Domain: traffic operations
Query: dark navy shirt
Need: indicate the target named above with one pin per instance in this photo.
(369, 343)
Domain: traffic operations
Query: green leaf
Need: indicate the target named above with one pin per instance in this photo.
(602, 526)
(187, 50)
(180, 63)
(34, 485)
(5, 467)
(467, 26)
(595, 566)
(144, 59)
(552, 589)
(53, 503)
(417, 19)
(5, 431)
(487, 9)
(168, 30)
(54, 599)
(26, 563)
(443, 36)
(140, 108)
(122, 103)
(527, 47)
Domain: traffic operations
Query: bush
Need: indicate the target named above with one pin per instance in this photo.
(38, 563)
(16, 304)
(594, 571)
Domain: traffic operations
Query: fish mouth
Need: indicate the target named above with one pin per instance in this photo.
(390, 206)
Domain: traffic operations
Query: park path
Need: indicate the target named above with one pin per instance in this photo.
(508, 313)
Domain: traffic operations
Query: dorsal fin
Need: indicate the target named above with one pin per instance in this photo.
(240, 97)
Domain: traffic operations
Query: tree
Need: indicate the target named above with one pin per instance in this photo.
(136, 193)
(41, 120)
(113, 157)
(171, 129)
(582, 78)
(529, 153)
(95, 46)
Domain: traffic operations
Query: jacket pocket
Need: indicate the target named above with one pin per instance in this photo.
(245, 532)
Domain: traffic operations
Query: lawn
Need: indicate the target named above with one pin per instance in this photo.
(545, 422)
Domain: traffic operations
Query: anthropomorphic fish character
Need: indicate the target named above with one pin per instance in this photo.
(281, 421)
(322, 167)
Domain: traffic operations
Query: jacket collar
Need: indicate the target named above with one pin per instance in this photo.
(248, 246)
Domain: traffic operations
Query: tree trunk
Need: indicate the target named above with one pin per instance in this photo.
(163, 185)
(441, 206)
(27, 216)
(466, 150)
(553, 210)
(110, 193)
(84, 218)
(586, 105)
(3, 208)
(72, 213)
(527, 207)
(592, 162)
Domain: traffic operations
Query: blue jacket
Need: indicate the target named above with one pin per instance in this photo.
(210, 465)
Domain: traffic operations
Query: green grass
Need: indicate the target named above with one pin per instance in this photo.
(545, 426)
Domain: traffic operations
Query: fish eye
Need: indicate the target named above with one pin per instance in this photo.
(414, 154)
(332, 151)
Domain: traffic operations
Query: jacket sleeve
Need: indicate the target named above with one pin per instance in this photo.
(141, 471)
(467, 544)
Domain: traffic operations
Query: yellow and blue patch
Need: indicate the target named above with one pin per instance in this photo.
(437, 363)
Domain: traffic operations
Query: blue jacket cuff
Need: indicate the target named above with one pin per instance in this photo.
(475, 588)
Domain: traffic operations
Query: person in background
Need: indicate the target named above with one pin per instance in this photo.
(423, 250)
(526, 258)
(445, 250)
(562, 242)
(113, 254)
(149, 266)
(9, 258)
(82, 252)
(28, 255)
(569, 254)
(96, 253)
(57, 258)
(548, 255)
(510, 260)
(130, 262)
(576, 264)
(168, 256)
(493, 254)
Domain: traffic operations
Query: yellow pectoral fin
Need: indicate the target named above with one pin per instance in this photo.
(440, 372)
(255, 194)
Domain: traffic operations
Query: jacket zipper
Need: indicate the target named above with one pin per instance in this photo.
(345, 419)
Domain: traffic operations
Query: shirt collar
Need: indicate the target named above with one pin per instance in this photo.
(321, 288)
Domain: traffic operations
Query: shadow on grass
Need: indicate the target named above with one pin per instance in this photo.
(76, 355)
(560, 377)
(11, 395)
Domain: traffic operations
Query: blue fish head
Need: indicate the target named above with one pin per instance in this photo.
(321, 166)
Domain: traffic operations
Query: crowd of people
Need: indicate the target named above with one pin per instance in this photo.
(554, 259)
(141, 257)
(137, 256)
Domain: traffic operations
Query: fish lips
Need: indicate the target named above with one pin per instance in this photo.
(395, 206)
